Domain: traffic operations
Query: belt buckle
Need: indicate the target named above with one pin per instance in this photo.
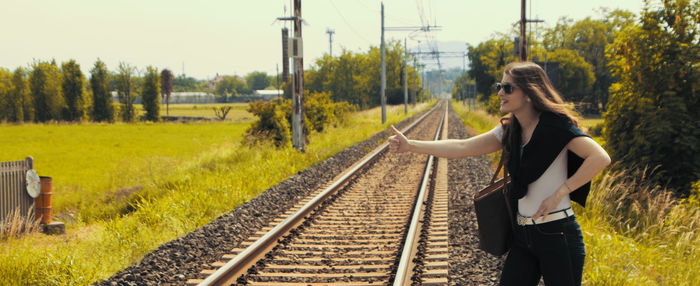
(522, 220)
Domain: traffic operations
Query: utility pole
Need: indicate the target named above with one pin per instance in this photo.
(523, 41)
(415, 82)
(285, 55)
(466, 81)
(330, 40)
(383, 52)
(285, 64)
(439, 76)
(382, 92)
(298, 138)
(296, 49)
(277, 67)
(405, 77)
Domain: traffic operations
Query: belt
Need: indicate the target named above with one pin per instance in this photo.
(555, 215)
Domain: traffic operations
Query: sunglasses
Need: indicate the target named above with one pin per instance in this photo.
(507, 87)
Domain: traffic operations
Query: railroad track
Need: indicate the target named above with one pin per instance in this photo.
(382, 221)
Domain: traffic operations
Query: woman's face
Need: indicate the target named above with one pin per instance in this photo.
(515, 100)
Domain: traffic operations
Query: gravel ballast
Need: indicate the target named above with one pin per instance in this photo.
(180, 259)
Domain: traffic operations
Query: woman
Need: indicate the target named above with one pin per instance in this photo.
(551, 162)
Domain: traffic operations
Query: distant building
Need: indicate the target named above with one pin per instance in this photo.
(179, 97)
(192, 97)
(212, 83)
(264, 95)
(268, 93)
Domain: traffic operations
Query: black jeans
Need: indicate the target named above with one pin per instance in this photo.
(554, 250)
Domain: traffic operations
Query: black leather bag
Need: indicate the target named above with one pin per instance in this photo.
(494, 214)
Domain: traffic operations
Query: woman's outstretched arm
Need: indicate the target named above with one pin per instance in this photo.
(452, 148)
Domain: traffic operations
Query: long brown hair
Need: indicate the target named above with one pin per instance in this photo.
(535, 84)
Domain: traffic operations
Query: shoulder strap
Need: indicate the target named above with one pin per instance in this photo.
(498, 170)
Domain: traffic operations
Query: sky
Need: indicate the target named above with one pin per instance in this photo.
(235, 37)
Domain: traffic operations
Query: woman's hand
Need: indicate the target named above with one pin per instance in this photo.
(398, 143)
(550, 203)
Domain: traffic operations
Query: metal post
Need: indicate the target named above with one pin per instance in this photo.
(523, 41)
(382, 92)
(423, 83)
(285, 55)
(30, 162)
(466, 79)
(330, 41)
(285, 64)
(298, 138)
(405, 77)
(415, 82)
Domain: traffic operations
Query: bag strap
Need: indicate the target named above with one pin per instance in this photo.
(498, 170)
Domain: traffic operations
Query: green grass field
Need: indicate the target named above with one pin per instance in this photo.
(95, 163)
(186, 179)
(92, 163)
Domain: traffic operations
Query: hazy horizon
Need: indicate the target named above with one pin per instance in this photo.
(234, 38)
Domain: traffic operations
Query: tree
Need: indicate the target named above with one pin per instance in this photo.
(589, 38)
(355, 77)
(182, 83)
(575, 75)
(222, 112)
(166, 84)
(73, 90)
(102, 108)
(555, 37)
(125, 86)
(150, 93)
(45, 86)
(462, 87)
(7, 105)
(20, 104)
(275, 81)
(487, 62)
(257, 80)
(652, 117)
(230, 86)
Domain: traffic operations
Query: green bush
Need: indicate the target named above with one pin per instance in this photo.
(596, 130)
(653, 109)
(275, 117)
(272, 123)
(321, 111)
(494, 105)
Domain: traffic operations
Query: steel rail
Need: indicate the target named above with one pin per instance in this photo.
(237, 266)
(403, 271)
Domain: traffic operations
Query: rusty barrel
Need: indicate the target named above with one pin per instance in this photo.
(43, 201)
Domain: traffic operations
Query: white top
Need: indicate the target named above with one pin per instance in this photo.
(545, 185)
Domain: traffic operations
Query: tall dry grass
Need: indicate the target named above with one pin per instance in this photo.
(17, 225)
(646, 212)
(640, 233)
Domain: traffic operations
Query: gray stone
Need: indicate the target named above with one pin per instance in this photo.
(54, 227)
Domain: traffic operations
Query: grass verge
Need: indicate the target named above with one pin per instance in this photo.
(478, 122)
(639, 234)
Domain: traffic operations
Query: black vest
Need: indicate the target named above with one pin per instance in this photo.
(550, 136)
